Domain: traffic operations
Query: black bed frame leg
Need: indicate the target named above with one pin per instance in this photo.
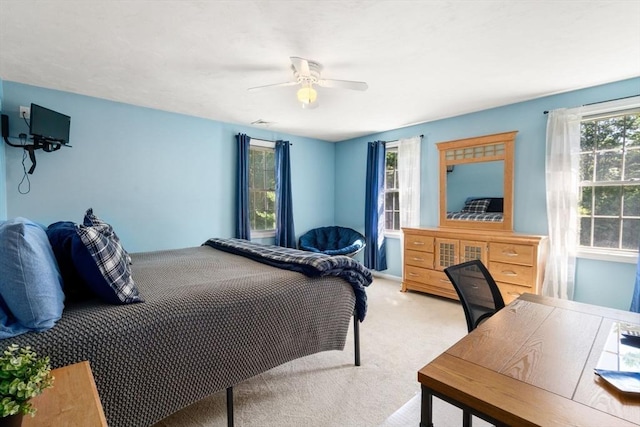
(230, 407)
(356, 337)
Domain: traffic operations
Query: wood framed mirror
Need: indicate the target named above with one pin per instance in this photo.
(476, 182)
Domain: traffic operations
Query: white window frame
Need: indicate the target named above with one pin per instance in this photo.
(261, 234)
(593, 113)
(391, 233)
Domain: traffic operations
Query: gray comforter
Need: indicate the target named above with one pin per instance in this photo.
(211, 320)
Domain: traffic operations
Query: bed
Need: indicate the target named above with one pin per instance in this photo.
(210, 319)
(488, 209)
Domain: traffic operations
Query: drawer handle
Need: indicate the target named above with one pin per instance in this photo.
(444, 280)
(418, 243)
(509, 273)
(413, 274)
(417, 259)
(509, 253)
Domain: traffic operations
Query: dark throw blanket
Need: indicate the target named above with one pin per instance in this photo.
(308, 263)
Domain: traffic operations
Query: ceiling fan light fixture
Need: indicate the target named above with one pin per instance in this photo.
(306, 75)
(307, 95)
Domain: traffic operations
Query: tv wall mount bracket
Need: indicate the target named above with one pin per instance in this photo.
(44, 144)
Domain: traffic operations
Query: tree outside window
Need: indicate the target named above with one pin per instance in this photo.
(262, 189)
(609, 197)
(392, 191)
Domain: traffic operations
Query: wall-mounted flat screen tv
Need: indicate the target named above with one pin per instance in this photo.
(48, 125)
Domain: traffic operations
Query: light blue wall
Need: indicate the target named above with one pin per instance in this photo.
(604, 283)
(163, 180)
(3, 174)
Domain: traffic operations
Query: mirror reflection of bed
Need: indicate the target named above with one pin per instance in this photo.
(476, 181)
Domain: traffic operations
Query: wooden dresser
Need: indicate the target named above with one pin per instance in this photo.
(516, 261)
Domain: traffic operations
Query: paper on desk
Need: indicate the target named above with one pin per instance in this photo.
(620, 353)
(619, 363)
(627, 382)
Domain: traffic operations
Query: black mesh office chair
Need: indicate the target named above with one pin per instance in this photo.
(478, 292)
(480, 298)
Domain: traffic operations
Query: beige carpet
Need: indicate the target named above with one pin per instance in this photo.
(402, 333)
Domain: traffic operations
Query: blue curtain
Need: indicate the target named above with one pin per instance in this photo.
(285, 234)
(635, 299)
(375, 253)
(243, 226)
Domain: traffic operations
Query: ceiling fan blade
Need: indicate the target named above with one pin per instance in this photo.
(301, 66)
(251, 89)
(343, 84)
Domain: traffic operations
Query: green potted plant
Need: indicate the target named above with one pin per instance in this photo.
(22, 376)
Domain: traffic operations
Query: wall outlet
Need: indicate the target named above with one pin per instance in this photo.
(25, 112)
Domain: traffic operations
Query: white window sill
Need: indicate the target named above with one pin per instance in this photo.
(263, 234)
(392, 234)
(630, 257)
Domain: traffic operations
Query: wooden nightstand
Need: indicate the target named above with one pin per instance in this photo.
(72, 401)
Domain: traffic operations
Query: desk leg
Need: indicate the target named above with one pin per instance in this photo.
(466, 418)
(426, 408)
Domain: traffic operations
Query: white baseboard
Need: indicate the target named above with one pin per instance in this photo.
(386, 276)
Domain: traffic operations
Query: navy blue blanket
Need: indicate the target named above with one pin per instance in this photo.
(308, 263)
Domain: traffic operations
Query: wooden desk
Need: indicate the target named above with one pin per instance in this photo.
(531, 364)
(72, 401)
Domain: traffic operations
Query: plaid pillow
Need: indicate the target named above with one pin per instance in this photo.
(114, 282)
(91, 220)
(476, 206)
(105, 247)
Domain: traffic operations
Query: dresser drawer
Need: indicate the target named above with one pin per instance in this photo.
(506, 252)
(430, 281)
(440, 279)
(423, 275)
(511, 273)
(418, 243)
(510, 291)
(418, 259)
(416, 274)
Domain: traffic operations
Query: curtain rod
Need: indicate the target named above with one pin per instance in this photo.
(268, 140)
(601, 102)
(396, 140)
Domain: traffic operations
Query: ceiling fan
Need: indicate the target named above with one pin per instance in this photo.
(307, 74)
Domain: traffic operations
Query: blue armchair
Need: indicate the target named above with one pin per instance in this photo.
(332, 240)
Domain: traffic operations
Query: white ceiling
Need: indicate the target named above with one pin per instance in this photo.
(423, 60)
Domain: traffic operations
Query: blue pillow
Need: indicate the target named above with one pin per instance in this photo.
(30, 281)
(90, 257)
(9, 326)
(64, 242)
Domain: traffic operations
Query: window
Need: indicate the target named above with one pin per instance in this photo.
(262, 186)
(609, 188)
(391, 190)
